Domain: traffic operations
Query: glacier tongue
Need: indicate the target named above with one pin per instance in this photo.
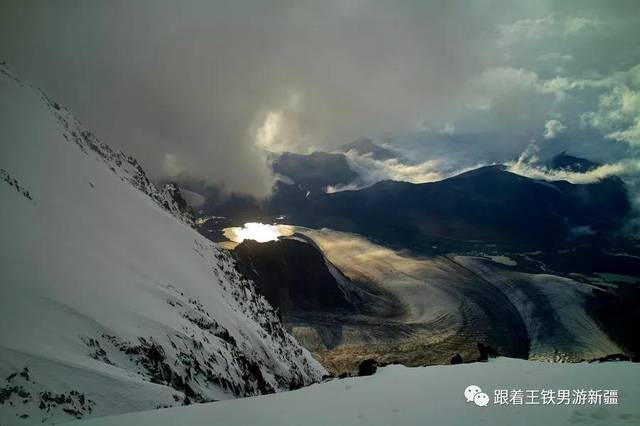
(109, 301)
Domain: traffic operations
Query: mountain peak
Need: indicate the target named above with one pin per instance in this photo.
(564, 161)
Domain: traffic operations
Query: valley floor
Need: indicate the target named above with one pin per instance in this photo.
(398, 395)
(446, 305)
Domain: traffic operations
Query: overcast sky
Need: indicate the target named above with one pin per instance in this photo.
(206, 86)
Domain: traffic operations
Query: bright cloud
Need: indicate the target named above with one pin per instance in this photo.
(553, 128)
(595, 175)
(577, 24)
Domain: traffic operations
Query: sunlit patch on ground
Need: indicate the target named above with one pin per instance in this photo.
(260, 232)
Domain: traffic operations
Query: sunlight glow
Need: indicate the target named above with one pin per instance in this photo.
(260, 232)
(268, 134)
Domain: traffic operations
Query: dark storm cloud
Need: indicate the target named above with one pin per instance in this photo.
(202, 87)
(186, 85)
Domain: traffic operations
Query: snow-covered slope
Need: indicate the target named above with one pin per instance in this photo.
(399, 396)
(109, 301)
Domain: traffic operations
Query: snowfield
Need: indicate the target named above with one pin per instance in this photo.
(110, 302)
(398, 395)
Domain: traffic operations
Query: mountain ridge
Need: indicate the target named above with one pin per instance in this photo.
(115, 303)
(465, 207)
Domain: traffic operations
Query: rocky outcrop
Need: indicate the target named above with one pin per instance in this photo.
(368, 367)
(293, 275)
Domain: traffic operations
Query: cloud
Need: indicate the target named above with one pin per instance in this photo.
(553, 128)
(548, 27)
(595, 175)
(554, 63)
(205, 88)
(408, 166)
(618, 113)
(630, 134)
(171, 166)
(449, 128)
(277, 129)
(213, 83)
(577, 24)
(493, 84)
(555, 57)
(527, 29)
(371, 171)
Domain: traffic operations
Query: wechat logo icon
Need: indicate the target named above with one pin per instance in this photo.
(474, 394)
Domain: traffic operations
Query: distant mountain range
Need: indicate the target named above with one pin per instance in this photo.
(564, 161)
(488, 204)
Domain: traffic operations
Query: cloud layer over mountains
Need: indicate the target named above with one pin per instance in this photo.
(205, 87)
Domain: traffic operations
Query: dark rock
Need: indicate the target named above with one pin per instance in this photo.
(486, 352)
(456, 359)
(569, 163)
(612, 357)
(25, 373)
(292, 275)
(367, 367)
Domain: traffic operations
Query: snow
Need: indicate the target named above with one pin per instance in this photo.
(553, 310)
(398, 395)
(448, 293)
(503, 260)
(108, 295)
